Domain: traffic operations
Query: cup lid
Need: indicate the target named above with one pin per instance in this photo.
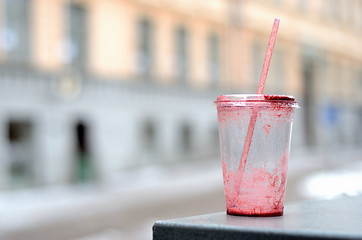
(251, 99)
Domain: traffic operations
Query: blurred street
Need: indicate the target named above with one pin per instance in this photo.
(128, 207)
(107, 114)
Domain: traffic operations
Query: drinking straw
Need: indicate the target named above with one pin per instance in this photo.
(269, 53)
(262, 80)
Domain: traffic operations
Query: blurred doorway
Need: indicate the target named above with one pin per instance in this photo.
(186, 139)
(20, 153)
(149, 137)
(84, 168)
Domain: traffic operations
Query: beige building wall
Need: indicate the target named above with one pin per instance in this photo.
(198, 53)
(165, 47)
(108, 21)
(112, 42)
(334, 38)
(48, 29)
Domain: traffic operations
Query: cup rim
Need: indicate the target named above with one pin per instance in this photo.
(253, 99)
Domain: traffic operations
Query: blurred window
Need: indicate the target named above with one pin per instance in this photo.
(333, 11)
(214, 58)
(257, 63)
(279, 71)
(20, 153)
(76, 45)
(359, 108)
(350, 5)
(16, 33)
(308, 77)
(303, 5)
(336, 77)
(145, 44)
(277, 2)
(214, 139)
(359, 19)
(182, 58)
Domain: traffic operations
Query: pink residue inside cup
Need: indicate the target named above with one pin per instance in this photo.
(278, 98)
(260, 193)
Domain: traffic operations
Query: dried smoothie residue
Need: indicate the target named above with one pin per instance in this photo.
(266, 128)
(278, 98)
(261, 192)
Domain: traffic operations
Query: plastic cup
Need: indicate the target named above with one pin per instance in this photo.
(256, 186)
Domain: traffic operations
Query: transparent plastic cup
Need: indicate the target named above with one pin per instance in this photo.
(255, 186)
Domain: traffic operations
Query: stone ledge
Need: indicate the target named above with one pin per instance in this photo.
(334, 219)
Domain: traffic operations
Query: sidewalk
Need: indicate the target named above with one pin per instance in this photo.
(24, 211)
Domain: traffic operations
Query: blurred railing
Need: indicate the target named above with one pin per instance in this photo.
(20, 83)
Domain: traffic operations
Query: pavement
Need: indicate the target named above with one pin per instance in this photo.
(128, 207)
(136, 199)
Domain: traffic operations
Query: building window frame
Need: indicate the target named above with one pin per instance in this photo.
(145, 47)
(182, 54)
(257, 51)
(77, 33)
(214, 59)
(16, 34)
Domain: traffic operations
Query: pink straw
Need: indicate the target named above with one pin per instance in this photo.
(269, 53)
(254, 115)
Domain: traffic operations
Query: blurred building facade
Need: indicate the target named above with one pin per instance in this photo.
(90, 88)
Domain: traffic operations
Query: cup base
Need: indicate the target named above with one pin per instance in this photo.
(242, 213)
